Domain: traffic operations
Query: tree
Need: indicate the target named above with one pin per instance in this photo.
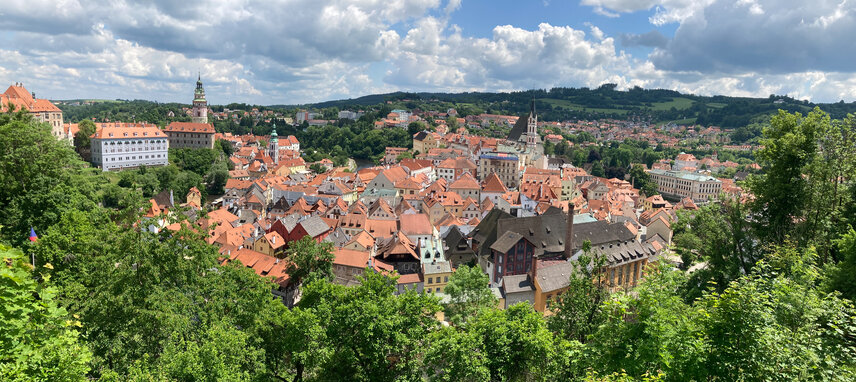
(317, 168)
(404, 155)
(469, 293)
(38, 338)
(719, 236)
(456, 355)
(216, 179)
(309, 260)
(839, 277)
(163, 303)
(370, 333)
(642, 180)
(790, 143)
(648, 332)
(516, 343)
(81, 138)
(597, 169)
(38, 175)
(225, 147)
(577, 311)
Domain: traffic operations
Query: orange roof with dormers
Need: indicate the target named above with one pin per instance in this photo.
(118, 130)
(190, 127)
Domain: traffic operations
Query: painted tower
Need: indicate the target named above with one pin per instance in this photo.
(532, 128)
(273, 146)
(200, 105)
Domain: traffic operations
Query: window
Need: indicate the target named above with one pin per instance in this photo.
(429, 290)
(439, 289)
(446, 279)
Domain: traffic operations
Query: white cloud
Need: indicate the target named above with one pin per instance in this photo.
(294, 51)
(667, 11)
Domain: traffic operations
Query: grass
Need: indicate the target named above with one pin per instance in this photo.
(678, 103)
(716, 105)
(570, 105)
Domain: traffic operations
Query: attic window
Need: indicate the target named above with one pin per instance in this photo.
(531, 232)
(543, 245)
(560, 242)
(548, 229)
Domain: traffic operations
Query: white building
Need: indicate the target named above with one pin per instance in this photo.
(348, 114)
(679, 184)
(116, 146)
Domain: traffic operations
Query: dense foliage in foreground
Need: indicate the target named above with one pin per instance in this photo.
(105, 301)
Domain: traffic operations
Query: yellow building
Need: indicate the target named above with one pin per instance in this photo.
(436, 276)
(424, 141)
(271, 244)
(550, 282)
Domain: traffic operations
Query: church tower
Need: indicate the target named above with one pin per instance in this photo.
(532, 128)
(273, 146)
(200, 105)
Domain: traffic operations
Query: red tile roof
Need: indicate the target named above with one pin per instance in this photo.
(190, 127)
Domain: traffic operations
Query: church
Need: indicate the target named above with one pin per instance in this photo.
(524, 142)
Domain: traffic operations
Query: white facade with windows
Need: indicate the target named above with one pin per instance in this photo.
(129, 146)
(677, 184)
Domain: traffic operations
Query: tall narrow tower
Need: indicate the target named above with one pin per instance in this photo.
(532, 128)
(273, 146)
(200, 105)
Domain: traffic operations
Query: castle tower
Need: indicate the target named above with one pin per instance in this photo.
(273, 146)
(200, 105)
(532, 128)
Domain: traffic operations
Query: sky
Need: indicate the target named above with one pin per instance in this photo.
(302, 51)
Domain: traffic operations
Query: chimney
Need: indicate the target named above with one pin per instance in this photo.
(569, 232)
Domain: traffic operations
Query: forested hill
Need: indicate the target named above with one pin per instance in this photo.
(557, 104)
(654, 105)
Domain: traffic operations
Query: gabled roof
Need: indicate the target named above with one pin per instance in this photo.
(381, 228)
(274, 239)
(466, 181)
(485, 232)
(190, 127)
(351, 258)
(315, 226)
(397, 245)
(493, 184)
(555, 277)
(415, 224)
(363, 239)
(506, 241)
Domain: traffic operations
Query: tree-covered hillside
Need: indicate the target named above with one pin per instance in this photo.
(557, 104)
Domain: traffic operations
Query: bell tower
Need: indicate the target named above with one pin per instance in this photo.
(200, 105)
(532, 127)
(273, 146)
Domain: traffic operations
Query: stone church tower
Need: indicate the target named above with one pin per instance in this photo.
(200, 105)
(532, 137)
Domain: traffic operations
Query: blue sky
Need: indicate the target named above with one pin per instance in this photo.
(298, 51)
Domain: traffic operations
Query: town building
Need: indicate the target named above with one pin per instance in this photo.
(436, 276)
(117, 146)
(424, 141)
(505, 166)
(677, 184)
(42, 110)
(190, 135)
